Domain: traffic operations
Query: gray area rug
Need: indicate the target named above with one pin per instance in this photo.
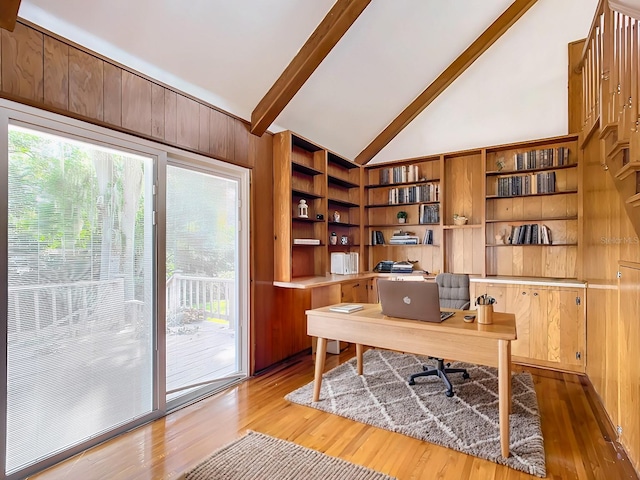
(467, 422)
(256, 456)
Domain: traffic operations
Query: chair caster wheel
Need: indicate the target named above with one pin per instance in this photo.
(449, 393)
(411, 382)
(448, 365)
(465, 375)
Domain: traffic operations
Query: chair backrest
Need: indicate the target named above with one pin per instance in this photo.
(454, 290)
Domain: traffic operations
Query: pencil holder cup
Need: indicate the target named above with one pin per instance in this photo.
(485, 314)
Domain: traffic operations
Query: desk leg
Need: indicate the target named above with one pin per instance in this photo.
(321, 353)
(504, 393)
(359, 350)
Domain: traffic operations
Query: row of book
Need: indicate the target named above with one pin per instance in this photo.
(514, 185)
(429, 192)
(530, 234)
(429, 214)
(546, 157)
(401, 238)
(400, 174)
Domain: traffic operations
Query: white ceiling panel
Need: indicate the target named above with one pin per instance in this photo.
(229, 53)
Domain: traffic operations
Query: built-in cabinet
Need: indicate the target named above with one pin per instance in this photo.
(550, 321)
(509, 211)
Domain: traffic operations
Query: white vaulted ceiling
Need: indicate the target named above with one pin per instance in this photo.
(229, 53)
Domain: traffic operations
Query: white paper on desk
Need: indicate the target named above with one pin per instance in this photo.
(346, 308)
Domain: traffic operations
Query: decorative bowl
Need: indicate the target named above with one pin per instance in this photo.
(460, 220)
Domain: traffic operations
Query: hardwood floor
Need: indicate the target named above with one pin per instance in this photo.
(578, 438)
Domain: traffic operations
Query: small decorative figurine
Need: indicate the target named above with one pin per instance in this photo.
(303, 209)
(336, 216)
(344, 240)
(333, 239)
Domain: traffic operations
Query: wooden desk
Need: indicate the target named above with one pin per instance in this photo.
(452, 339)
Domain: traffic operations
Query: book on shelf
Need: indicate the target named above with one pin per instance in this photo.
(400, 174)
(428, 192)
(306, 241)
(428, 237)
(429, 214)
(377, 237)
(530, 234)
(349, 308)
(543, 158)
(529, 184)
(402, 267)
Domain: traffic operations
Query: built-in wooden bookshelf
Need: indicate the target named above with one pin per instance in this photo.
(412, 186)
(532, 187)
(529, 188)
(330, 186)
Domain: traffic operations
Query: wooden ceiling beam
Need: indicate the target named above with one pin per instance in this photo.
(510, 16)
(330, 30)
(9, 14)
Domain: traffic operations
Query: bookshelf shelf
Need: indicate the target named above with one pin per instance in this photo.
(342, 224)
(491, 245)
(462, 227)
(303, 193)
(298, 245)
(534, 220)
(343, 203)
(565, 192)
(340, 182)
(402, 184)
(298, 167)
(404, 245)
(306, 220)
(506, 173)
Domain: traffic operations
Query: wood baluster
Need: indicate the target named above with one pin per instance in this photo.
(627, 78)
(607, 54)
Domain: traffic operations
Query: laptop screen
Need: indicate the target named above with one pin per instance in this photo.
(411, 300)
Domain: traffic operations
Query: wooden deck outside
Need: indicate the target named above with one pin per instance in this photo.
(76, 386)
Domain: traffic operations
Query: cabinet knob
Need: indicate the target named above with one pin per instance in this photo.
(524, 293)
(535, 294)
(356, 285)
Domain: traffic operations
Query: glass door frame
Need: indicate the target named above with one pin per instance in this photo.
(197, 163)
(76, 129)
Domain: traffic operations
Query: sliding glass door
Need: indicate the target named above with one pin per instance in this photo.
(80, 356)
(204, 347)
(127, 279)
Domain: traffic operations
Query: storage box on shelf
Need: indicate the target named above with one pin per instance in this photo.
(463, 190)
(532, 208)
(411, 186)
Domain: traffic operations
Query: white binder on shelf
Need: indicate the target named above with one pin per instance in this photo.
(343, 263)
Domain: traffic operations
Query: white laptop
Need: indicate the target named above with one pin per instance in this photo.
(412, 300)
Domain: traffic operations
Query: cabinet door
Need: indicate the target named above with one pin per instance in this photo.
(570, 341)
(355, 292)
(538, 324)
(518, 302)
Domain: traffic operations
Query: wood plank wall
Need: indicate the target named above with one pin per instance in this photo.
(608, 237)
(43, 70)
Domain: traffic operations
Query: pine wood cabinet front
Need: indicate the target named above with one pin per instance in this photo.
(550, 322)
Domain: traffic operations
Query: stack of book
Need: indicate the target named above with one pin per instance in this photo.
(402, 267)
(404, 238)
(306, 241)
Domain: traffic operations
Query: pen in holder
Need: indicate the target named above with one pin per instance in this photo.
(484, 303)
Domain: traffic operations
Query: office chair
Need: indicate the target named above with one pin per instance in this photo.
(453, 291)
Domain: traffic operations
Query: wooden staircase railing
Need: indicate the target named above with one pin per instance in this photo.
(611, 96)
